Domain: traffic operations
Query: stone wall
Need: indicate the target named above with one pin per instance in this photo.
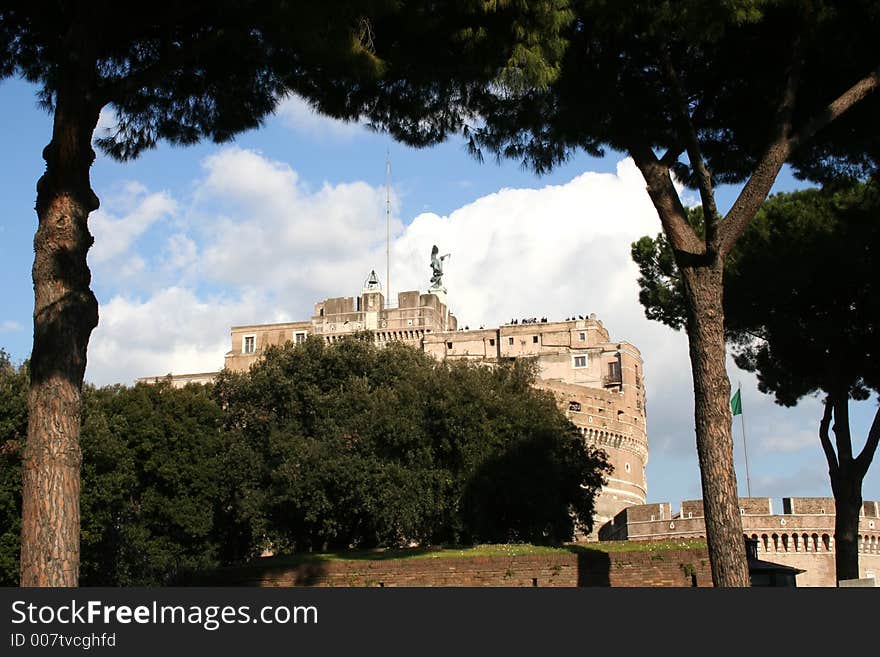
(668, 568)
(801, 537)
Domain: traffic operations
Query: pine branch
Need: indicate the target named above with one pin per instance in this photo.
(704, 177)
(863, 460)
(161, 67)
(764, 175)
(680, 233)
(830, 456)
(841, 427)
(836, 108)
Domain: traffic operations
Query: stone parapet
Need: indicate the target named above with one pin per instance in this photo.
(800, 540)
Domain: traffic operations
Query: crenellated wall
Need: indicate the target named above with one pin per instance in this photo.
(802, 536)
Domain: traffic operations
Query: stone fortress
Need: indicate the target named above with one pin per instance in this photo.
(802, 536)
(599, 384)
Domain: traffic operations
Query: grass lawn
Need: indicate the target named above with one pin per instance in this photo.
(503, 550)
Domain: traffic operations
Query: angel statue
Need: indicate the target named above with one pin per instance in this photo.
(437, 268)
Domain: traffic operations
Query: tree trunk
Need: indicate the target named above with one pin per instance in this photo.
(65, 312)
(705, 327)
(847, 487)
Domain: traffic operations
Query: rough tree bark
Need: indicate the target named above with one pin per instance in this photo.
(65, 312)
(701, 263)
(703, 289)
(847, 475)
(848, 506)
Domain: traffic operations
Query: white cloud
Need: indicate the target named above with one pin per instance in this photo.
(172, 331)
(107, 122)
(559, 251)
(252, 229)
(180, 253)
(512, 247)
(275, 246)
(807, 481)
(297, 115)
(275, 233)
(10, 326)
(139, 210)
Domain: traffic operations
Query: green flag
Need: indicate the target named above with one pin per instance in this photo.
(736, 405)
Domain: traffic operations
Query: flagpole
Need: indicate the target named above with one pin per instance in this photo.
(745, 447)
(388, 227)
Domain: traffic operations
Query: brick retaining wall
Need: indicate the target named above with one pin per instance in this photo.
(668, 568)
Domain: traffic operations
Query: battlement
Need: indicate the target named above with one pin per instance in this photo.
(802, 536)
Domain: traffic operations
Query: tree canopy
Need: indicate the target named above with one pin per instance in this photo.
(802, 309)
(800, 302)
(708, 93)
(182, 72)
(13, 431)
(673, 76)
(317, 447)
(353, 445)
(151, 481)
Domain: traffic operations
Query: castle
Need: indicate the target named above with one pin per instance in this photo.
(802, 536)
(599, 384)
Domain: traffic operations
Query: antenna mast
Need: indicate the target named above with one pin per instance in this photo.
(388, 226)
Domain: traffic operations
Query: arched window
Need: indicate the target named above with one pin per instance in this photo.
(826, 542)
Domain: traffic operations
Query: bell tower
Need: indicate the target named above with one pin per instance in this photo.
(372, 301)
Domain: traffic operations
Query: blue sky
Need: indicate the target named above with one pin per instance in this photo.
(190, 241)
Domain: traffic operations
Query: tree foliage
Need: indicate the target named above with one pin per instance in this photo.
(802, 309)
(630, 66)
(315, 447)
(385, 447)
(151, 480)
(13, 430)
(708, 93)
(800, 294)
(186, 72)
(209, 70)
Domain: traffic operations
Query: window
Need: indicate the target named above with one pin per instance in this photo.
(509, 340)
(574, 406)
(249, 344)
(299, 336)
(580, 361)
(582, 337)
(449, 345)
(491, 342)
(614, 371)
(534, 339)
